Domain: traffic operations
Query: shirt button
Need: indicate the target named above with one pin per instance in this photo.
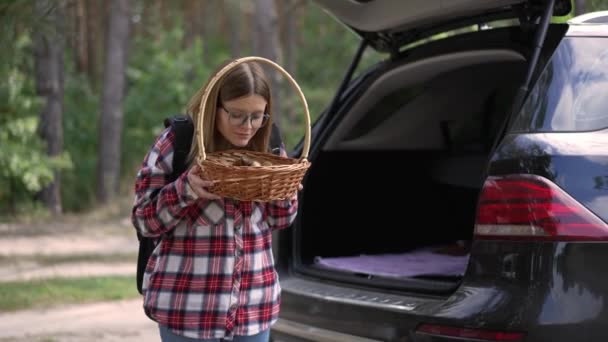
(237, 228)
(233, 307)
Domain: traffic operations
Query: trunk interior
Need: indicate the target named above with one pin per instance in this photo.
(394, 187)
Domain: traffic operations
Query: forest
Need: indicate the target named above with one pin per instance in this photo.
(89, 82)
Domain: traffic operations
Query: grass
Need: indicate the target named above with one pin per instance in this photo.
(51, 292)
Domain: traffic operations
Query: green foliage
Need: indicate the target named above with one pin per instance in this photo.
(80, 118)
(564, 19)
(25, 168)
(327, 48)
(162, 76)
(30, 167)
(597, 5)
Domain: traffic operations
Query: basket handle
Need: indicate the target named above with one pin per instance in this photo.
(220, 74)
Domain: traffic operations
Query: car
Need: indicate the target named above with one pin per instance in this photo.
(458, 188)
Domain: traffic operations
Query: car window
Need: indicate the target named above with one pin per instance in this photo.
(570, 94)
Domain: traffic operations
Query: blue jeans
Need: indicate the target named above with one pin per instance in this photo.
(167, 335)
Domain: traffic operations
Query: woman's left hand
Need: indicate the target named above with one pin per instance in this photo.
(284, 155)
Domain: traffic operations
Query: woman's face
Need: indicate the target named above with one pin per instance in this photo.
(237, 119)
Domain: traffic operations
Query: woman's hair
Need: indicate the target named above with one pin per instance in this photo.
(244, 79)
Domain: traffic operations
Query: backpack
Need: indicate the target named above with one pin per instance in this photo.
(183, 129)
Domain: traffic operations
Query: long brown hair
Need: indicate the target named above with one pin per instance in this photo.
(244, 79)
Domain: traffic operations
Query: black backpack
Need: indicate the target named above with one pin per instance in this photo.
(183, 129)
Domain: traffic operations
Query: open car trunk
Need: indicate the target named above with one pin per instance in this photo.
(391, 196)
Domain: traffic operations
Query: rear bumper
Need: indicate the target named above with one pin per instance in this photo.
(317, 311)
(288, 331)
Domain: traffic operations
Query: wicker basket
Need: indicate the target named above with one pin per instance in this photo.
(276, 178)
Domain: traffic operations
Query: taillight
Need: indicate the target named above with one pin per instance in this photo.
(532, 207)
(477, 334)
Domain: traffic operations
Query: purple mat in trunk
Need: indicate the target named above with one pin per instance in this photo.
(419, 262)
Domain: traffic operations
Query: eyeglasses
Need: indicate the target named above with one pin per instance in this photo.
(257, 120)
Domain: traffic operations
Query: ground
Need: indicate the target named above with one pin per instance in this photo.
(105, 322)
(105, 237)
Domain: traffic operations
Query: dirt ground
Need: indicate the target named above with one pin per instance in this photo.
(104, 322)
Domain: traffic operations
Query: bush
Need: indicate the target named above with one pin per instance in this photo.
(80, 118)
(162, 76)
(25, 167)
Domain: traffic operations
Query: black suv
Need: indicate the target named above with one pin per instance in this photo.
(458, 189)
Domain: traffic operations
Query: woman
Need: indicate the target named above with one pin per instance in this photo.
(212, 277)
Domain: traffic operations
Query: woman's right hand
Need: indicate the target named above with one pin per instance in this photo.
(199, 185)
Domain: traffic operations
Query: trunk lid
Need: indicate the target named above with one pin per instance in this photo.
(389, 24)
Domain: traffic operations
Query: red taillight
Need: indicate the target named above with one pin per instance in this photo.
(532, 207)
(482, 335)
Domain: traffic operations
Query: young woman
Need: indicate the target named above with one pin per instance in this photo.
(212, 277)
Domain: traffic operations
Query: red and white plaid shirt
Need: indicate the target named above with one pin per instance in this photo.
(213, 274)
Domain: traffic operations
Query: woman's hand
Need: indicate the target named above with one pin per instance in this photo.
(283, 154)
(199, 185)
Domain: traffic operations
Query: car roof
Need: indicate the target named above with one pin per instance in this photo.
(593, 24)
(389, 24)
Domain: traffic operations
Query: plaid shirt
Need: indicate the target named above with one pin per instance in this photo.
(212, 275)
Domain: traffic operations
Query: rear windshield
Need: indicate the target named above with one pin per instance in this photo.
(572, 92)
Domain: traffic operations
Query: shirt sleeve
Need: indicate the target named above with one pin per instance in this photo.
(281, 214)
(160, 204)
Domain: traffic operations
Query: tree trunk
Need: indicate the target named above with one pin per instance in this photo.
(234, 18)
(266, 44)
(204, 30)
(288, 20)
(147, 20)
(48, 54)
(222, 20)
(164, 8)
(94, 20)
(82, 57)
(111, 120)
(290, 14)
(190, 15)
(580, 7)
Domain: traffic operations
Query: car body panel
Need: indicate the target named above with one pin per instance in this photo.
(590, 19)
(546, 289)
(576, 162)
(537, 288)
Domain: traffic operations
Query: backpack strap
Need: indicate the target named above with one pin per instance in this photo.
(183, 129)
(275, 140)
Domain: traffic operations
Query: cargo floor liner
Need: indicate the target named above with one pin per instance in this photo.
(443, 261)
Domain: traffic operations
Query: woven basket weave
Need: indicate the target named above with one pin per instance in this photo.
(276, 178)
